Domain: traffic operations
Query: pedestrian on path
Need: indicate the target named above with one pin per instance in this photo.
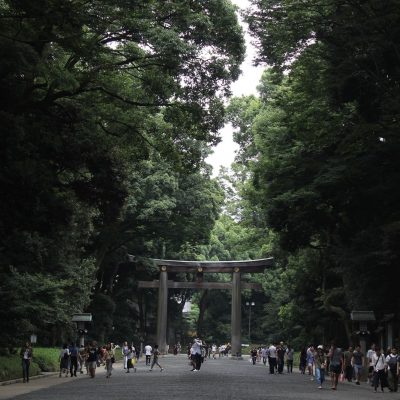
(125, 351)
(147, 351)
(131, 356)
(253, 355)
(378, 361)
(289, 359)
(348, 364)
(108, 357)
(73, 359)
(64, 360)
(272, 359)
(92, 359)
(392, 361)
(156, 354)
(336, 363)
(320, 365)
(26, 355)
(310, 362)
(280, 357)
(370, 352)
(357, 362)
(303, 360)
(195, 352)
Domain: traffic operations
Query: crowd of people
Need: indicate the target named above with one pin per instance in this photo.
(339, 364)
(74, 359)
(316, 361)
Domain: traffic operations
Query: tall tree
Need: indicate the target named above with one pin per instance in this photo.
(89, 90)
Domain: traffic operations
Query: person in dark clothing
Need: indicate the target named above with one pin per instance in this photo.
(303, 360)
(73, 363)
(280, 356)
(92, 359)
(253, 355)
(26, 357)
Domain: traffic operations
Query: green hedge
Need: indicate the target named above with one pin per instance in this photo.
(44, 359)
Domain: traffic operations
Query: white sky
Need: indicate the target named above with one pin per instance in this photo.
(224, 153)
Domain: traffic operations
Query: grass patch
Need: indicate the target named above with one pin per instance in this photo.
(44, 359)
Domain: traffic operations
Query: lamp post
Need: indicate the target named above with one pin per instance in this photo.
(250, 304)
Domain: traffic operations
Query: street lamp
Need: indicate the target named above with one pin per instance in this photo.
(250, 304)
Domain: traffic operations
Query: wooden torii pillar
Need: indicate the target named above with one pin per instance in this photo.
(236, 268)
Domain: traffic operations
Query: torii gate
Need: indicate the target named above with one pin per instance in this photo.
(234, 267)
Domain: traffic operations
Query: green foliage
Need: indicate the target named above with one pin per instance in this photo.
(91, 92)
(47, 358)
(11, 368)
(44, 359)
(319, 159)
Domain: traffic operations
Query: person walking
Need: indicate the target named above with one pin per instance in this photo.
(303, 360)
(125, 351)
(336, 362)
(131, 356)
(64, 360)
(310, 362)
(348, 364)
(81, 359)
(156, 354)
(392, 361)
(264, 355)
(92, 359)
(108, 357)
(253, 355)
(26, 355)
(289, 359)
(357, 361)
(280, 357)
(320, 365)
(73, 359)
(214, 351)
(370, 352)
(147, 351)
(272, 358)
(380, 366)
(195, 352)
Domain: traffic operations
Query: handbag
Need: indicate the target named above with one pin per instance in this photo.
(341, 377)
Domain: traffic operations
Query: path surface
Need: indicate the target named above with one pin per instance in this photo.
(221, 379)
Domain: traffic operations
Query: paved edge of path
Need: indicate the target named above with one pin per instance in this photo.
(20, 380)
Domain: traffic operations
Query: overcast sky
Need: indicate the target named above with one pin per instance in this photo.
(224, 153)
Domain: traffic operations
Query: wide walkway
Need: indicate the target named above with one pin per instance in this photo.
(220, 379)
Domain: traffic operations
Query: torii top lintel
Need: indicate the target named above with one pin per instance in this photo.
(214, 266)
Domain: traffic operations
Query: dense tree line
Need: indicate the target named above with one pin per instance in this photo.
(107, 110)
(319, 149)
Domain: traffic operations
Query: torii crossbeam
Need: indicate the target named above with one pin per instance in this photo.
(200, 267)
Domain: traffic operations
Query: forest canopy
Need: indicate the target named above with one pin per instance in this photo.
(108, 112)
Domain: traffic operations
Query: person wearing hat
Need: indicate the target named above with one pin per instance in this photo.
(320, 365)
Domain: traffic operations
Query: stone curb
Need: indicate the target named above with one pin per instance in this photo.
(20, 380)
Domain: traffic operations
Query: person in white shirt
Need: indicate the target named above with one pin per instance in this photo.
(380, 366)
(125, 351)
(214, 351)
(370, 352)
(264, 355)
(64, 360)
(272, 359)
(195, 353)
(147, 351)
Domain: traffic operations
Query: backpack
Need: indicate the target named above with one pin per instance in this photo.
(65, 355)
(392, 363)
